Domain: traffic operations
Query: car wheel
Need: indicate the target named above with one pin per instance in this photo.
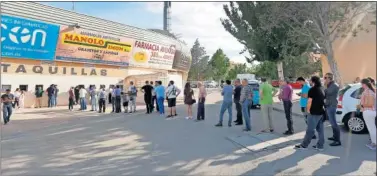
(356, 124)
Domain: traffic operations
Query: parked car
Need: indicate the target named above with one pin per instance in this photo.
(210, 84)
(194, 84)
(255, 86)
(346, 113)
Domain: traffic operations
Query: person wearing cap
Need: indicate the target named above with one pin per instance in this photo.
(7, 100)
(286, 96)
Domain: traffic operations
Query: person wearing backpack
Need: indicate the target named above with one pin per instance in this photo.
(172, 93)
(38, 95)
(368, 105)
(132, 91)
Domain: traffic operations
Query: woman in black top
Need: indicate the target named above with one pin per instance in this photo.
(315, 108)
(188, 99)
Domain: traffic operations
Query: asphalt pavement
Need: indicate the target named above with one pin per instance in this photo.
(60, 142)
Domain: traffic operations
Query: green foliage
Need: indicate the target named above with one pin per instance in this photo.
(246, 23)
(237, 69)
(219, 65)
(198, 64)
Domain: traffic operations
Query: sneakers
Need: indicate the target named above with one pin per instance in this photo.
(335, 143)
(300, 147)
(288, 133)
(219, 125)
(371, 146)
(317, 148)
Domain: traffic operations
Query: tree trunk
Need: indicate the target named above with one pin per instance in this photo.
(280, 70)
(333, 65)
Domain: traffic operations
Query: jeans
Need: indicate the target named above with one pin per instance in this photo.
(94, 103)
(201, 109)
(331, 114)
(70, 103)
(118, 108)
(55, 101)
(132, 103)
(154, 99)
(370, 119)
(288, 114)
(160, 102)
(102, 105)
(82, 104)
(51, 101)
(148, 104)
(239, 112)
(226, 106)
(246, 113)
(314, 122)
(7, 112)
(113, 104)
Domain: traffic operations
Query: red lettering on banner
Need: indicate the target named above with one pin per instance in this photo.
(147, 46)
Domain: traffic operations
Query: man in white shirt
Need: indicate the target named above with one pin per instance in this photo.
(172, 93)
(83, 93)
(132, 92)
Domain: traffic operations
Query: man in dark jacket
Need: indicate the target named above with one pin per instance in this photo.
(331, 103)
(236, 100)
(51, 95)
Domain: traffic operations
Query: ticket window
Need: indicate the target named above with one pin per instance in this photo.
(24, 87)
(120, 86)
(91, 86)
(4, 87)
(82, 86)
(39, 85)
(102, 86)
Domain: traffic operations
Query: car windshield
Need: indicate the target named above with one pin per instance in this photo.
(344, 90)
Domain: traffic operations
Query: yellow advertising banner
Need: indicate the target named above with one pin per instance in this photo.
(152, 55)
(77, 45)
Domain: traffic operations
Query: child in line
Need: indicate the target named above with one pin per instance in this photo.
(125, 99)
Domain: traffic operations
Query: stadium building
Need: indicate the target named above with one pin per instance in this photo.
(43, 45)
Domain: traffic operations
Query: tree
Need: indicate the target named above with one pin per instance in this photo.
(237, 69)
(197, 53)
(245, 23)
(219, 63)
(322, 23)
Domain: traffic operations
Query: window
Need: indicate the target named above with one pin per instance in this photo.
(5, 87)
(92, 85)
(102, 86)
(111, 86)
(38, 85)
(357, 93)
(24, 87)
(120, 86)
(81, 86)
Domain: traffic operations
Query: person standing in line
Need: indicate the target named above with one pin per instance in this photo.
(71, 98)
(77, 94)
(153, 96)
(160, 95)
(118, 99)
(51, 95)
(155, 85)
(368, 106)
(83, 93)
(286, 96)
(201, 102)
(331, 103)
(147, 90)
(315, 109)
(172, 93)
(110, 94)
(102, 100)
(266, 93)
(245, 99)
(7, 100)
(113, 101)
(38, 95)
(132, 91)
(22, 99)
(227, 94)
(304, 98)
(125, 100)
(93, 98)
(236, 99)
(188, 99)
(17, 95)
(56, 94)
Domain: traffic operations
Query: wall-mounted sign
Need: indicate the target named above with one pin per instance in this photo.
(12, 68)
(85, 46)
(181, 61)
(24, 38)
(151, 55)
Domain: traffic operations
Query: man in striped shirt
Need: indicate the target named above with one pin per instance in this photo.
(245, 100)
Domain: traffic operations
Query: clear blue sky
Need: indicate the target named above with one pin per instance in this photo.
(130, 13)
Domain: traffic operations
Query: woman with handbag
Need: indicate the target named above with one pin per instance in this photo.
(189, 100)
(368, 106)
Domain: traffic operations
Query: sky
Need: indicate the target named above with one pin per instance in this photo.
(191, 20)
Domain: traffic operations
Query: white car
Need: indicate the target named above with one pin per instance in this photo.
(210, 84)
(346, 113)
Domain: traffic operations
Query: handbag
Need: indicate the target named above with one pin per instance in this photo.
(193, 101)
